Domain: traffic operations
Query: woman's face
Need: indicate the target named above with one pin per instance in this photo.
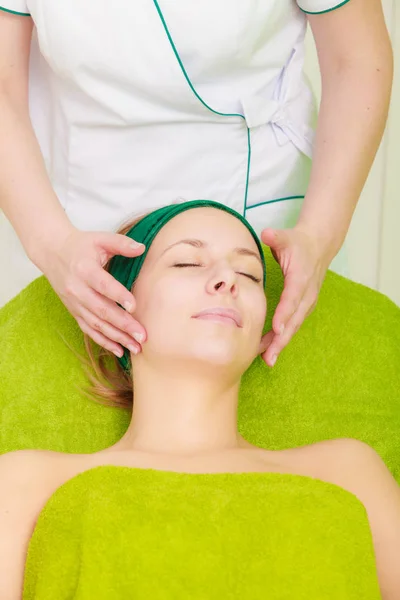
(204, 259)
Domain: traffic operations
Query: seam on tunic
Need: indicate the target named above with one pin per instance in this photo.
(275, 200)
(206, 105)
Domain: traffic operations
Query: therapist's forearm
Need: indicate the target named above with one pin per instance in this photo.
(26, 194)
(353, 113)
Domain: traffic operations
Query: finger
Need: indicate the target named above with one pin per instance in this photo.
(106, 285)
(109, 332)
(292, 295)
(273, 237)
(111, 313)
(280, 342)
(266, 341)
(99, 338)
(266, 355)
(119, 244)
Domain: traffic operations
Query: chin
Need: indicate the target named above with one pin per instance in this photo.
(221, 353)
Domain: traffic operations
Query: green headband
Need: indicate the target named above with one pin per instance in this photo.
(125, 269)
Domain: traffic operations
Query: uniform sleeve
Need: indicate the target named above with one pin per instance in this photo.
(319, 6)
(16, 7)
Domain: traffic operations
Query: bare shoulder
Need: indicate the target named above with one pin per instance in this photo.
(27, 480)
(358, 468)
(328, 458)
(24, 468)
(27, 477)
(32, 476)
(347, 462)
(24, 460)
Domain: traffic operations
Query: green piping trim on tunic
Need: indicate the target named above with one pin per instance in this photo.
(273, 201)
(14, 12)
(245, 207)
(206, 105)
(324, 11)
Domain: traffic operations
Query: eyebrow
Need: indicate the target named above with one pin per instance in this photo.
(201, 244)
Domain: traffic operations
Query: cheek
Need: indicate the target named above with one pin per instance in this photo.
(163, 303)
(262, 315)
(259, 311)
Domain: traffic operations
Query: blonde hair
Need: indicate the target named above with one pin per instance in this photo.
(109, 384)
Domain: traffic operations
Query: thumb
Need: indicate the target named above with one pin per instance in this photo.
(116, 243)
(273, 237)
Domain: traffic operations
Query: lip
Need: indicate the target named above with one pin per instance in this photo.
(219, 311)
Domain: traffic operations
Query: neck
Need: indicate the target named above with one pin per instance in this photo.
(181, 410)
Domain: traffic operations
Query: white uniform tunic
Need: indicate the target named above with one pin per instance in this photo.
(137, 104)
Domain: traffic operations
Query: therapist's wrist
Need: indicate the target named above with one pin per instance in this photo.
(46, 238)
(326, 222)
(328, 242)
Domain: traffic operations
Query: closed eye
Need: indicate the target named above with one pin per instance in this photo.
(187, 265)
(252, 277)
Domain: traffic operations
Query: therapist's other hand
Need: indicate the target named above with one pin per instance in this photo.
(74, 268)
(304, 261)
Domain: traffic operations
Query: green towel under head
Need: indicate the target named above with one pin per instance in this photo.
(339, 377)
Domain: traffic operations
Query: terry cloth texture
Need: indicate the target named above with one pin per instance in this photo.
(339, 377)
(117, 533)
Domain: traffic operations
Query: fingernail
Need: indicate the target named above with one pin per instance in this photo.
(273, 361)
(139, 337)
(282, 329)
(133, 349)
(118, 353)
(136, 245)
(128, 306)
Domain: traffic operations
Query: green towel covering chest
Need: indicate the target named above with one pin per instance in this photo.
(117, 533)
(339, 377)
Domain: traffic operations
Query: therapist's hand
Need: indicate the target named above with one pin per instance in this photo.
(304, 260)
(74, 268)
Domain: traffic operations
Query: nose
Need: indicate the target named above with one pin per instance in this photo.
(223, 281)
